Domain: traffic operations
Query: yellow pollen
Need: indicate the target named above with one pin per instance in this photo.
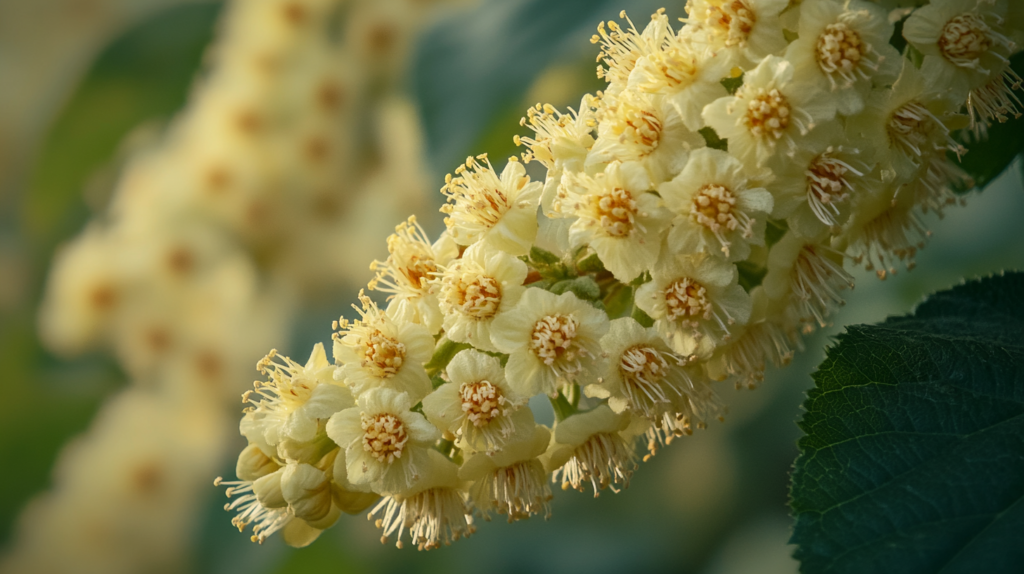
(382, 354)
(615, 211)
(481, 402)
(478, 297)
(839, 49)
(768, 114)
(384, 437)
(964, 38)
(685, 298)
(552, 339)
(636, 126)
(731, 18)
(714, 207)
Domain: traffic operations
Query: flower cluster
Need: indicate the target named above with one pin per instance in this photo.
(697, 218)
(208, 244)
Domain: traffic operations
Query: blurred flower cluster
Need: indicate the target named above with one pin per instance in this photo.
(697, 219)
(219, 229)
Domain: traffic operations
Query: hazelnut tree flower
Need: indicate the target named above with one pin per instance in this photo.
(696, 220)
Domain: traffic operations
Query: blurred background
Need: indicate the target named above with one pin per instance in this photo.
(187, 184)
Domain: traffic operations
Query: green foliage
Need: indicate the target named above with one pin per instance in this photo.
(444, 351)
(583, 287)
(986, 160)
(732, 84)
(750, 274)
(144, 75)
(913, 458)
(711, 138)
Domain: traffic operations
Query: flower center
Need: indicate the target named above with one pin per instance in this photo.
(382, 354)
(642, 366)
(827, 185)
(482, 402)
(687, 298)
(964, 38)
(908, 128)
(384, 437)
(419, 269)
(552, 339)
(733, 18)
(839, 49)
(713, 207)
(615, 211)
(637, 126)
(768, 114)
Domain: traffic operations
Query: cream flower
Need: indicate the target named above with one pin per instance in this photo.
(513, 481)
(845, 49)
(643, 374)
(682, 68)
(434, 510)
(884, 229)
(293, 400)
(813, 188)
(771, 109)
(646, 129)
(621, 49)
(692, 408)
(552, 340)
(720, 206)
(476, 405)
(616, 216)
(808, 275)
(385, 443)
(474, 290)
(962, 43)
(904, 126)
(561, 141)
(755, 344)
(694, 302)
(747, 30)
(411, 264)
(378, 351)
(501, 213)
(249, 509)
(589, 447)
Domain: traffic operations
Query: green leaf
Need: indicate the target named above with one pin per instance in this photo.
(141, 76)
(913, 458)
(590, 264)
(750, 274)
(986, 160)
(732, 84)
(712, 139)
(543, 257)
(443, 353)
(583, 287)
(619, 301)
(641, 317)
(774, 231)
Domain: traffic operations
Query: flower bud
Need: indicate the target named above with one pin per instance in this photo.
(268, 490)
(307, 490)
(253, 464)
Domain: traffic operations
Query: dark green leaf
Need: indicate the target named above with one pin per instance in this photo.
(986, 160)
(712, 139)
(750, 274)
(732, 84)
(913, 458)
(774, 231)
